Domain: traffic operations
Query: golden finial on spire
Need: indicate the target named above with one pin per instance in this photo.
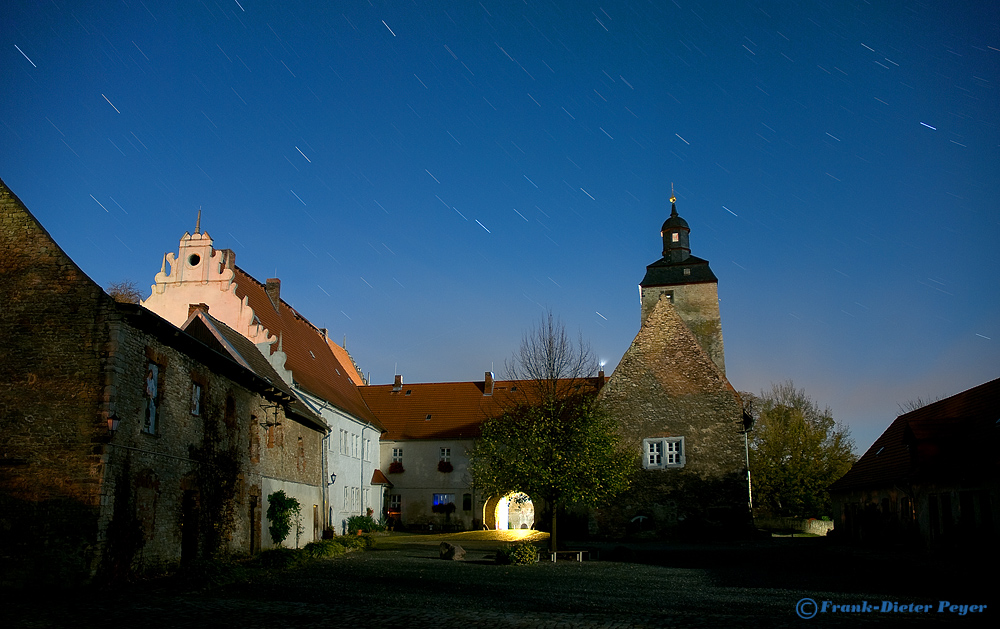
(673, 198)
(197, 227)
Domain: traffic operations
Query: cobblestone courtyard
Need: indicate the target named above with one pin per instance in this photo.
(402, 583)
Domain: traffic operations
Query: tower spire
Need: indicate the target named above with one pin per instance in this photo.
(673, 200)
(197, 227)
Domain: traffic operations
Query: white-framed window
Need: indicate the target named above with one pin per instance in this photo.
(395, 502)
(397, 455)
(347, 498)
(365, 498)
(367, 449)
(675, 237)
(663, 453)
(446, 454)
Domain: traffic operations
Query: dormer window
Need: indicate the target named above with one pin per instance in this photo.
(687, 271)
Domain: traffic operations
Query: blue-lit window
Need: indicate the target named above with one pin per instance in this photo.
(443, 499)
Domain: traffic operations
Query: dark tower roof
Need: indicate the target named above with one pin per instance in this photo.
(677, 266)
(675, 219)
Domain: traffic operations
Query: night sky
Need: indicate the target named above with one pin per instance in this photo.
(427, 178)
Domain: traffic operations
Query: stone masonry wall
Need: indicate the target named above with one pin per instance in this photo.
(698, 306)
(665, 385)
(50, 390)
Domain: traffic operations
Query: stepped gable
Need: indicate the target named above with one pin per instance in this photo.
(954, 438)
(456, 409)
(228, 341)
(310, 357)
(347, 362)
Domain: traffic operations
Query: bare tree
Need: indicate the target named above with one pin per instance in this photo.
(125, 292)
(553, 442)
(912, 405)
(550, 361)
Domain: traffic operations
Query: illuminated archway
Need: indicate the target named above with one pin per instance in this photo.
(513, 511)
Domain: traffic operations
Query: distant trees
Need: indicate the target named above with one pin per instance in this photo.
(796, 451)
(556, 444)
(125, 292)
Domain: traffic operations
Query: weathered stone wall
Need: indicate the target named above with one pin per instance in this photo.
(698, 306)
(193, 472)
(51, 317)
(666, 386)
(75, 498)
(290, 459)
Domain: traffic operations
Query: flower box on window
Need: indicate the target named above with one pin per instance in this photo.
(445, 467)
(396, 467)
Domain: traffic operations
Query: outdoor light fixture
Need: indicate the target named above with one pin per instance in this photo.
(333, 478)
(112, 422)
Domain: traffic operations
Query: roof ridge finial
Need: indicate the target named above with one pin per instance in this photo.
(197, 226)
(673, 200)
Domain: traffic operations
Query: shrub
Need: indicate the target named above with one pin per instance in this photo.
(364, 523)
(396, 467)
(359, 542)
(447, 508)
(520, 553)
(325, 548)
(280, 511)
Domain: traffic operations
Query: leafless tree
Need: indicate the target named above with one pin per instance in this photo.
(125, 292)
(549, 361)
(912, 405)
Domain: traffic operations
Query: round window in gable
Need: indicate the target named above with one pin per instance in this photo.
(194, 259)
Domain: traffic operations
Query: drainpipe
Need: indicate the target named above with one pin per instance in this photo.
(361, 464)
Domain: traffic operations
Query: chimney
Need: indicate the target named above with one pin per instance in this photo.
(273, 290)
(228, 259)
(488, 385)
(600, 379)
(397, 386)
(193, 308)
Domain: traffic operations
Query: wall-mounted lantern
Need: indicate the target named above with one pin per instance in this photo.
(112, 423)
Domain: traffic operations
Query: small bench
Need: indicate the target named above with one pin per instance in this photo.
(575, 554)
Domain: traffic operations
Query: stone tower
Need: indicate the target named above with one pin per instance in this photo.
(688, 283)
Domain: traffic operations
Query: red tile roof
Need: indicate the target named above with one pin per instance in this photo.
(952, 439)
(442, 410)
(207, 328)
(315, 365)
(378, 478)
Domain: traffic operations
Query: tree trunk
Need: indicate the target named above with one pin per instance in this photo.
(552, 535)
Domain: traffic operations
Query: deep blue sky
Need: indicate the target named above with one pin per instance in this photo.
(427, 177)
